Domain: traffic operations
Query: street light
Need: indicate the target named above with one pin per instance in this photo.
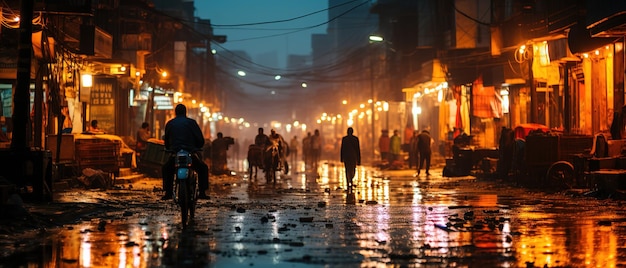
(373, 39)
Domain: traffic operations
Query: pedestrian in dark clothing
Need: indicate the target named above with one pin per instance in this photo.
(423, 146)
(219, 146)
(413, 151)
(316, 148)
(183, 133)
(384, 145)
(261, 139)
(350, 154)
(306, 149)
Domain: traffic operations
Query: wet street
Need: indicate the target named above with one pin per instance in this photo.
(308, 220)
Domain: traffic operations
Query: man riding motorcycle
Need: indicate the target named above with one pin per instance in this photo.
(184, 133)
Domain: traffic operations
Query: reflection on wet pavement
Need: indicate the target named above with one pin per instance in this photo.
(389, 219)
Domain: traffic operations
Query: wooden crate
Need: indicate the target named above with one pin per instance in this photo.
(98, 154)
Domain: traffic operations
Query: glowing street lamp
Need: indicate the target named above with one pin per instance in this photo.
(373, 39)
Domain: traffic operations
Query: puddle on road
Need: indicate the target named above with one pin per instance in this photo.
(308, 219)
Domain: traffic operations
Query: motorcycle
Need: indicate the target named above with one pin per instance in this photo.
(185, 186)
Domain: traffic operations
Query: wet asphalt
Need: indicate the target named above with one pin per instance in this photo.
(308, 219)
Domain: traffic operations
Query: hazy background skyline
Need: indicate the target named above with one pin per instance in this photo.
(253, 26)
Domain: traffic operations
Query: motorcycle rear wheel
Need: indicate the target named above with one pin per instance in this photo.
(193, 196)
(183, 202)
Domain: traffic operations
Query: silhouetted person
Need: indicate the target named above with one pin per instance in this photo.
(395, 146)
(350, 154)
(423, 146)
(316, 148)
(219, 162)
(384, 143)
(413, 151)
(294, 147)
(306, 149)
(184, 133)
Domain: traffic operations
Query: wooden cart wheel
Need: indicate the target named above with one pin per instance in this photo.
(561, 175)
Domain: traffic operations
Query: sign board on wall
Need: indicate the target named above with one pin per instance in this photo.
(102, 103)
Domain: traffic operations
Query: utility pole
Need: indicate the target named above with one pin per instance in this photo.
(373, 94)
(21, 99)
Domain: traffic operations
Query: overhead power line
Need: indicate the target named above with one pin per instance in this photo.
(280, 21)
(304, 28)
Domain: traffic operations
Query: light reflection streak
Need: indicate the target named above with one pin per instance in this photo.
(136, 234)
(303, 180)
(324, 179)
(382, 223)
(122, 257)
(417, 193)
(383, 192)
(136, 256)
(238, 221)
(547, 240)
(85, 250)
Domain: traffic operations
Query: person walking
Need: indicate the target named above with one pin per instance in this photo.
(294, 147)
(413, 151)
(383, 145)
(316, 148)
(350, 155)
(395, 146)
(423, 145)
(306, 149)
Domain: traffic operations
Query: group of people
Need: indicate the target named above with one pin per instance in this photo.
(184, 133)
(390, 147)
(312, 149)
(419, 149)
(261, 140)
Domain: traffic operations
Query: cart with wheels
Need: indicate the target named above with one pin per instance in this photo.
(554, 161)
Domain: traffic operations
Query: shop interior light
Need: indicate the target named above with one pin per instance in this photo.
(86, 80)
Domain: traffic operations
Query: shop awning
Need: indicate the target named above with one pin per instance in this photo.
(579, 40)
(431, 72)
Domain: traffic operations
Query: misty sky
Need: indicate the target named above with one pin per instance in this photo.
(290, 37)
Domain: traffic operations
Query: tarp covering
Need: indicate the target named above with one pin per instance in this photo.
(486, 103)
(522, 130)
